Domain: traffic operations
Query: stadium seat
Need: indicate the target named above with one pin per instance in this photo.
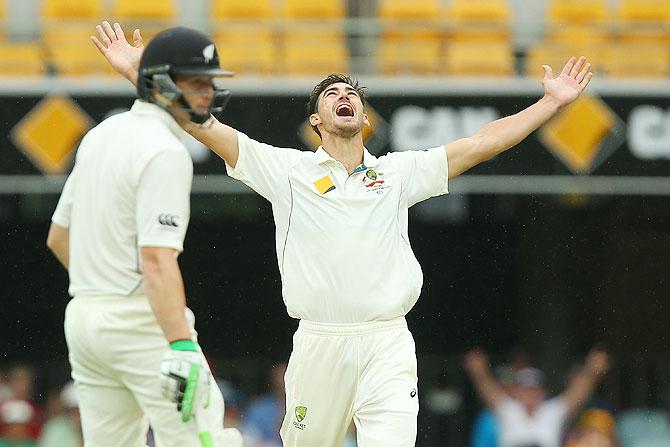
(644, 20)
(315, 9)
(144, 9)
(479, 19)
(409, 20)
(638, 60)
(21, 59)
(67, 24)
(411, 37)
(78, 60)
(576, 22)
(244, 10)
(315, 57)
(556, 54)
(408, 10)
(479, 58)
(255, 56)
(150, 16)
(310, 23)
(71, 9)
(244, 35)
(408, 57)
(578, 11)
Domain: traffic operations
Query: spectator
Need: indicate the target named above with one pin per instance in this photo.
(15, 423)
(525, 417)
(485, 426)
(595, 428)
(64, 429)
(21, 381)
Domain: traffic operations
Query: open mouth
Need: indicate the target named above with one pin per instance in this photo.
(344, 110)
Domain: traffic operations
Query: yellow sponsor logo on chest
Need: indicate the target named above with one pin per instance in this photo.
(324, 185)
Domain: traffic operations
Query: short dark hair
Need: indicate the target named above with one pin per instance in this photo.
(313, 100)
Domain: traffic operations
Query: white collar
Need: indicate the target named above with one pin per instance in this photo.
(369, 160)
(141, 107)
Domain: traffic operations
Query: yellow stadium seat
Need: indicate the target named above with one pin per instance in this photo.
(71, 9)
(479, 19)
(247, 9)
(578, 21)
(409, 10)
(144, 9)
(315, 57)
(638, 60)
(578, 11)
(78, 60)
(557, 54)
(412, 57)
(244, 35)
(644, 20)
(310, 25)
(315, 9)
(21, 59)
(150, 16)
(411, 37)
(479, 58)
(255, 56)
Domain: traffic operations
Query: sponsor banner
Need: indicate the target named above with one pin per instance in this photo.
(608, 136)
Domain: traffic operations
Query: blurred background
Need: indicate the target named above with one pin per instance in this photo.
(554, 247)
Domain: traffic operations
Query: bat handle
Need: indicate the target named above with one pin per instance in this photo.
(206, 439)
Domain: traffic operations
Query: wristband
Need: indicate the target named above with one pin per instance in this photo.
(184, 345)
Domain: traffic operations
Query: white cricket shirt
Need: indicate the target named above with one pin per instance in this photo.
(543, 428)
(129, 188)
(342, 244)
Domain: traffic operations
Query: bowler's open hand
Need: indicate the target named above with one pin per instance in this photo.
(121, 54)
(567, 86)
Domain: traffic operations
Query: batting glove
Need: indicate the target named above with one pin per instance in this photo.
(184, 378)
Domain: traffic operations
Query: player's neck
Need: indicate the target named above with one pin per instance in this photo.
(348, 151)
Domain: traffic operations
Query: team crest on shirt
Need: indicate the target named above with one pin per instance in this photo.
(373, 181)
(300, 415)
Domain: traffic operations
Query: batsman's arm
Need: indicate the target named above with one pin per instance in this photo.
(165, 289)
(502, 134)
(125, 57)
(58, 241)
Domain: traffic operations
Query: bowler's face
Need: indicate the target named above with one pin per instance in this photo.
(340, 111)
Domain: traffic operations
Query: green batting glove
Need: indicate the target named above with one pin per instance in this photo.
(184, 378)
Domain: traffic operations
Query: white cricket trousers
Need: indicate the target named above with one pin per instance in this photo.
(365, 372)
(115, 348)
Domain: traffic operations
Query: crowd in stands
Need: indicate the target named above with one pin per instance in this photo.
(516, 409)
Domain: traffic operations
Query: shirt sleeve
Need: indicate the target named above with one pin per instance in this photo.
(558, 408)
(262, 167)
(63, 212)
(425, 174)
(163, 200)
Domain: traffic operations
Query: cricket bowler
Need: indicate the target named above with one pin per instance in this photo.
(348, 270)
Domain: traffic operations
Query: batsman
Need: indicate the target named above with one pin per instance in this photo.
(118, 228)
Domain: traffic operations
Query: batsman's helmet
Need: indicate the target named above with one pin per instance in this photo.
(174, 52)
